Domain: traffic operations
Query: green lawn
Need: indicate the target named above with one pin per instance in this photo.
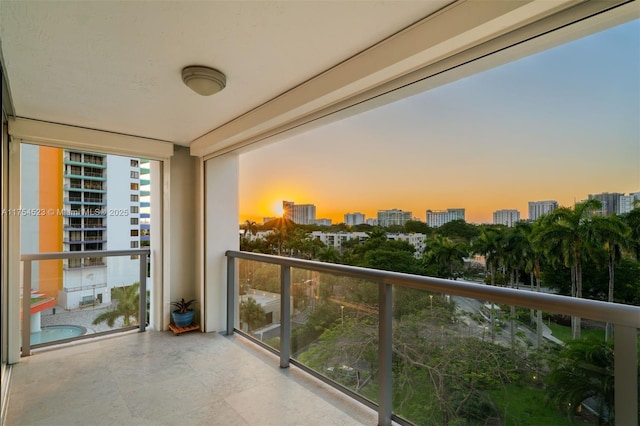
(524, 406)
(563, 332)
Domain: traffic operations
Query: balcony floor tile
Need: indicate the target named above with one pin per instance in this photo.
(157, 378)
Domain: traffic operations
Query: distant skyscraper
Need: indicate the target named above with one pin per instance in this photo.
(625, 204)
(610, 202)
(302, 214)
(323, 222)
(371, 221)
(393, 217)
(436, 218)
(352, 219)
(506, 217)
(538, 208)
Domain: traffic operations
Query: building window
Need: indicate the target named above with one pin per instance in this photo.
(75, 156)
(134, 220)
(134, 209)
(135, 175)
(134, 163)
(134, 186)
(134, 232)
(134, 244)
(134, 197)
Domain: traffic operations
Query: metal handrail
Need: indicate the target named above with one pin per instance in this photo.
(626, 319)
(597, 310)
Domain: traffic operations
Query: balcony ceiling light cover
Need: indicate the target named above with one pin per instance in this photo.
(203, 80)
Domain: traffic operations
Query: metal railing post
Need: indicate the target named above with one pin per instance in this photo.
(385, 330)
(231, 293)
(142, 308)
(625, 374)
(26, 309)
(285, 316)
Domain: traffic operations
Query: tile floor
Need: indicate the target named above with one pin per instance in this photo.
(157, 378)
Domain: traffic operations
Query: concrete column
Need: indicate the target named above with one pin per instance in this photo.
(221, 222)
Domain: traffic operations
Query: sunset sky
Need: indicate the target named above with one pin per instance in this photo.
(558, 125)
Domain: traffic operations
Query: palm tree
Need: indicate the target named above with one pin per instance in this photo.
(611, 234)
(127, 306)
(448, 254)
(584, 369)
(249, 226)
(632, 219)
(514, 249)
(564, 234)
(487, 244)
(533, 260)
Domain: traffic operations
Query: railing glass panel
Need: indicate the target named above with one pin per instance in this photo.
(434, 351)
(73, 295)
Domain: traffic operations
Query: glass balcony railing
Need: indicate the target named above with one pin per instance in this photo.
(424, 350)
(67, 304)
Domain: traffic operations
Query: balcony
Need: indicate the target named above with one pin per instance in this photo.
(366, 55)
(131, 380)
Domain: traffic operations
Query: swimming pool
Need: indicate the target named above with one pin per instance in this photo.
(52, 333)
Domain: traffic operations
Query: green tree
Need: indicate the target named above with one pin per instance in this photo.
(632, 219)
(328, 255)
(251, 313)
(565, 235)
(127, 306)
(447, 254)
(487, 244)
(458, 230)
(415, 226)
(584, 369)
(610, 234)
(249, 227)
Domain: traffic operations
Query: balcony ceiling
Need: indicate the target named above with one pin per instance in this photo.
(115, 66)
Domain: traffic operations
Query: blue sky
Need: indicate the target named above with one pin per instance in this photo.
(556, 125)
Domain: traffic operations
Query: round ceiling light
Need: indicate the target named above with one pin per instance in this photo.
(203, 80)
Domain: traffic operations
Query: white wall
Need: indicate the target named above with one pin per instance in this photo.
(221, 213)
(181, 246)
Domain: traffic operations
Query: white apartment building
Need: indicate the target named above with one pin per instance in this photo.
(436, 218)
(506, 217)
(92, 203)
(538, 208)
(302, 214)
(626, 202)
(323, 222)
(393, 217)
(336, 239)
(415, 239)
(352, 219)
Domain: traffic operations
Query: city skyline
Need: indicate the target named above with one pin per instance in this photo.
(552, 126)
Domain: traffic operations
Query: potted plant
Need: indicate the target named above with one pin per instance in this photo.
(183, 314)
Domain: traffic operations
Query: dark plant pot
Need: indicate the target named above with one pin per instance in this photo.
(182, 320)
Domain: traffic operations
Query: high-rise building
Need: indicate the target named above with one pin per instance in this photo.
(625, 204)
(506, 217)
(323, 222)
(352, 219)
(436, 218)
(92, 203)
(393, 217)
(538, 208)
(302, 214)
(610, 201)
